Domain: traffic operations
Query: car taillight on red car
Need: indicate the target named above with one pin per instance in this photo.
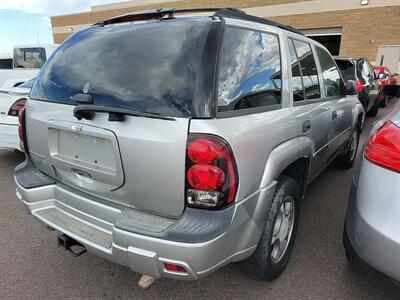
(383, 148)
(16, 107)
(211, 175)
(359, 86)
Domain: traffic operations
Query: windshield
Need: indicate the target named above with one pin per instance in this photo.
(31, 58)
(147, 67)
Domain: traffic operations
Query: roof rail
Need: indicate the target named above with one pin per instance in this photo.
(170, 13)
(240, 14)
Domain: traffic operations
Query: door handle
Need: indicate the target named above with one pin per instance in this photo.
(334, 115)
(306, 126)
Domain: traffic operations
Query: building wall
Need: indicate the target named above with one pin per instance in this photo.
(359, 27)
(361, 34)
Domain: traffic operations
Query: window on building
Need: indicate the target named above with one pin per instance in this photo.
(249, 71)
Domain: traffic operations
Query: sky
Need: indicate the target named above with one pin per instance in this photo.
(28, 21)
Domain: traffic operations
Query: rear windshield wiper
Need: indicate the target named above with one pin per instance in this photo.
(115, 114)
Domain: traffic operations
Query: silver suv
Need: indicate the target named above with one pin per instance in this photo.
(176, 145)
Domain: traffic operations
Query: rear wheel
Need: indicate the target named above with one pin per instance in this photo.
(346, 161)
(374, 109)
(277, 239)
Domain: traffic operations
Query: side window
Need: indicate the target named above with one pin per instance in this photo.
(330, 74)
(297, 83)
(29, 57)
(308, 70)
(249, 71)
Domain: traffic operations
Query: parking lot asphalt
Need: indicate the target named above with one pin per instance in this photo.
(32, 266)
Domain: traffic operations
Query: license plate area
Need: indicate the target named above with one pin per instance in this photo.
(85, 156)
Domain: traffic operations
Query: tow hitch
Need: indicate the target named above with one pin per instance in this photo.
(67, 243)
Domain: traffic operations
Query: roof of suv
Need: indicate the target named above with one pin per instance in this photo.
(232, 13)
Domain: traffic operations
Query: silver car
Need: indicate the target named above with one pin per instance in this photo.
(176, 145)
(371, 233)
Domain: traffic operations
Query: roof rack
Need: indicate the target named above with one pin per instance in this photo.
(170, 13)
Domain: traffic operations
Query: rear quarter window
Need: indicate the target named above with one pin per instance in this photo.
(29, 58)
(249, 70)
(148, 67)
(347, 69)
(6, 63)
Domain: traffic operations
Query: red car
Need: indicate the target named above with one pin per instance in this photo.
(385, 78)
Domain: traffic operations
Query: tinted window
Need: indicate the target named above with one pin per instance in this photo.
(148, 67)
(6, 63)
(250, 70)
(29, 57)
(297, 84)
(308, 70)
(347, 69)
(330, 74)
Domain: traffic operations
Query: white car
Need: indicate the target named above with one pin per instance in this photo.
(11, 102)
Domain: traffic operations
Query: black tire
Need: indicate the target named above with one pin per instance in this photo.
(260, 265)
(374, 109)
(351, 255)
(347, 160)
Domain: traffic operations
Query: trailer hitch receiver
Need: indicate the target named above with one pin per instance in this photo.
(68, 244)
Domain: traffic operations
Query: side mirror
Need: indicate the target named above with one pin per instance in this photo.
(392, 90)
(351, 88)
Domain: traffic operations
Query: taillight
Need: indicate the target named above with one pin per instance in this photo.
(21, 122)
(211, 175)
(16, 107)
(359, 86)
(383, 148)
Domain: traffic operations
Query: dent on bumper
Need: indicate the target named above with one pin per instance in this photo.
(93, 224)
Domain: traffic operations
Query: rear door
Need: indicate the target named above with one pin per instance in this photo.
(148, 69)
(312, 112)
(342, 115)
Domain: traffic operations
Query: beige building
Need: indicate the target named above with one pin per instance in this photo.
(367, 28)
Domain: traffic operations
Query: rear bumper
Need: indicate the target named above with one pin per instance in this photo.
(9, 136)
(372, 220)
(200, 241)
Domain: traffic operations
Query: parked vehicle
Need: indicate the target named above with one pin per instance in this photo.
(367, 84)
(146, 156)
(371, 230)
(11, 103)
(385, 78)
(26, 63)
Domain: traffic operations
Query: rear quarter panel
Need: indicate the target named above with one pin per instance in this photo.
(252, 139)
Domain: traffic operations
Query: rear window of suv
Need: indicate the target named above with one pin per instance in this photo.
(347, 69)
(146, 67)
